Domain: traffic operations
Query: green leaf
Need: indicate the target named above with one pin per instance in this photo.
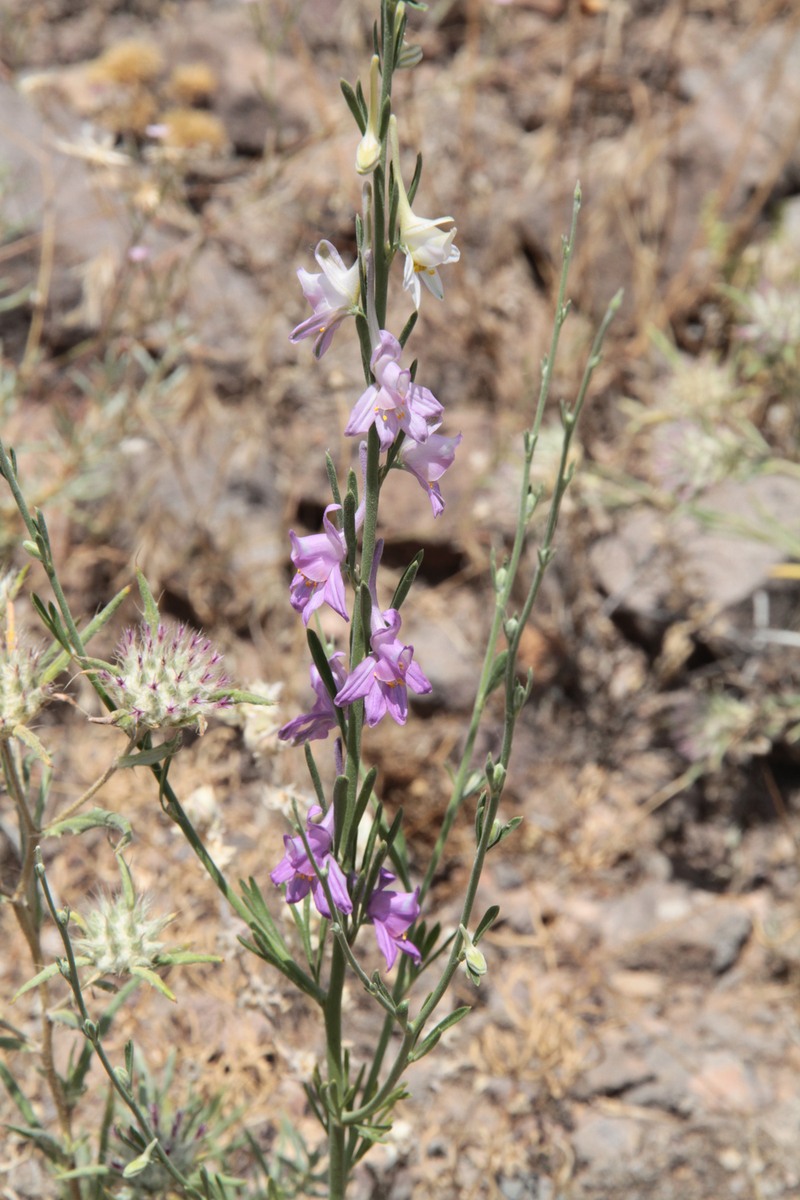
(409, 575)
(18, 1096)
(500, 833)
(29, 738)
(408, 327)
(45, 974)
(433, 1037)
(236, 696)
(48, 1145)
(87, 1172)
(487, 920)
(154, 980)
(95, 818)
(321, 663)
(155, 754)
(62, 661)
(359, 114)
(498, 671)
(412, 187)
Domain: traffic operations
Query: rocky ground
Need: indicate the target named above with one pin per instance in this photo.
(638, 1033)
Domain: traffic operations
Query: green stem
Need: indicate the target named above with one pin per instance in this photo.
(337, 1157)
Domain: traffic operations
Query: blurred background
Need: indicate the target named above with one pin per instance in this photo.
(165, 168)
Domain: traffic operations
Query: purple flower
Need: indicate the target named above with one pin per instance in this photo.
(393, 402)
(393, 914)
(427, 461)
(384, 675)
(318, 562)
(333, 295)
(297, 872)
(322, 718)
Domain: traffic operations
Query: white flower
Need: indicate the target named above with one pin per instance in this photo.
(425, 245)
(333, 294)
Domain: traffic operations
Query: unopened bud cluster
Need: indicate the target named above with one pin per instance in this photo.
(166, 678)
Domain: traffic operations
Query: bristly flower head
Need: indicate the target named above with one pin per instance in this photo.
(333, 294)
(393, 914)
(21, 693)
(297, 872)
(393, 402)
(166, 677)
(425, 245)
(120, 937)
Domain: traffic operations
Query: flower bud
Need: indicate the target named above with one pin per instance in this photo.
(368, 154)
(472, 959)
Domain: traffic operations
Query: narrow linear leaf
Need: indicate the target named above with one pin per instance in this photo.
(430, 1041)
(151, 613)
(408, 577)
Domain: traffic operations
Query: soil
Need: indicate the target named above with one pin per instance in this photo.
(637, 1034)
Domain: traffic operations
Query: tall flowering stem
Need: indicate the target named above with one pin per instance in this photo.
(400, 420)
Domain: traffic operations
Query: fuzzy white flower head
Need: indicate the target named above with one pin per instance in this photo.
(21, 693)
(166, 677)
(425, 245)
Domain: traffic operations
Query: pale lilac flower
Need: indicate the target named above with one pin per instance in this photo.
(425, 245)
(393, 402)
(383, 677)
(322, 718)
(333, 294)
(297, 872)
(427, 461)
(318, 562)
(393, 914)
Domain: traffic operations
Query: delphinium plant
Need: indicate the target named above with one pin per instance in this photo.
(345, 868)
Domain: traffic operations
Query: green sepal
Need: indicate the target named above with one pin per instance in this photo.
(433, 1037)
